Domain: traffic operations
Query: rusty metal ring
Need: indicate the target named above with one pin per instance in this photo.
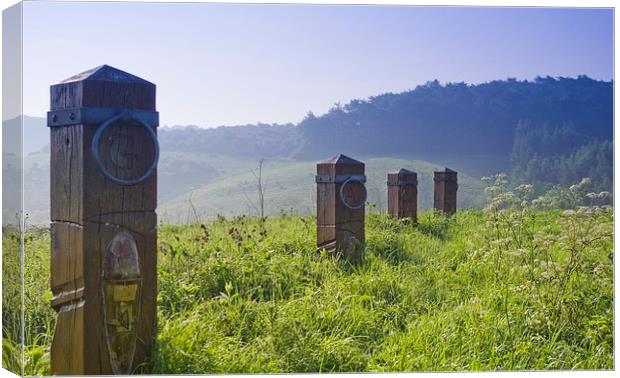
(130, 120)
(344, 202)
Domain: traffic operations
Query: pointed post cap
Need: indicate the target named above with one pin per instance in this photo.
(106, 73)
(445, 170)
(104, 87)
(401, 177)
(445, 174)
(403, 172)
(340, 165)
(341, 159)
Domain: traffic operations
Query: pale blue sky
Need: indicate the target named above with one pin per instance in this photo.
(227, 64)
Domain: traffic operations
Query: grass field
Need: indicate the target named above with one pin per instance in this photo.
(194, 186)
(290, 186)
(500, 289)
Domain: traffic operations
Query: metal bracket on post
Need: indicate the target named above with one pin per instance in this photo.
(148, 119)
(403, 183)
(93, 115)
(344, 180)
(339, 179)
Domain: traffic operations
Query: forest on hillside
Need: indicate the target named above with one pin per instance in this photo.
(547, 131)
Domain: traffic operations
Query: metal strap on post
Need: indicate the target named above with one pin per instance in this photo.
(339, 179)
(96, 116)
(345, 180)
(403, 183)
(445, 178)
(106, 117)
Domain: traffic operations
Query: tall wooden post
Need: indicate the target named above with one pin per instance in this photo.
(445, 190)
(341, 198)
(104, 154)
(403, 194)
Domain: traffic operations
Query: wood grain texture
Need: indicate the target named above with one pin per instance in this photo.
(88, 210)
(339, 228)
(67, 269)
(402, 192)
(66, 173)
(68, 348)
(143, 226)
(446, 187)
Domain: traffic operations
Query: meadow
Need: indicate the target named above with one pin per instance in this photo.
(525, 284)
(195, 187)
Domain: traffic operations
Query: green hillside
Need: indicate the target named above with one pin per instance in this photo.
(290, 186)
(200, 186)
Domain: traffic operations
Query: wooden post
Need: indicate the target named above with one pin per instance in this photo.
(403, 194)
(445, 190)
(341, 198)
(103, 224)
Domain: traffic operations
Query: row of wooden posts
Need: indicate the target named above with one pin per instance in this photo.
(104, 155)
(341, 196)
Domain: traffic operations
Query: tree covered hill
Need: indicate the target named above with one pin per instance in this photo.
(539, 130)
(455, 118)
(255, 141)
(431, 119)
(459, 118)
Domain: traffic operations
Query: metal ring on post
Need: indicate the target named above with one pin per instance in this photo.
(125, 117)
(353, 179)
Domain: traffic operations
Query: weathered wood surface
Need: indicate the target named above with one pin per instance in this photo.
(340, 230)
(87, 212)
(402, 188)
(446, 187)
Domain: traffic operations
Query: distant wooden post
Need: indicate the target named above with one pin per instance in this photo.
(341, 198)
(445, 190)
(104, 153)
(403, 194)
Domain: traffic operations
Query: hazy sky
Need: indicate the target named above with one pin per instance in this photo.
(227, 64)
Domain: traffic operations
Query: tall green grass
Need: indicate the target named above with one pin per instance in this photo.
(508, 288)
(11, 299)
(38, 321)
(447, 295)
